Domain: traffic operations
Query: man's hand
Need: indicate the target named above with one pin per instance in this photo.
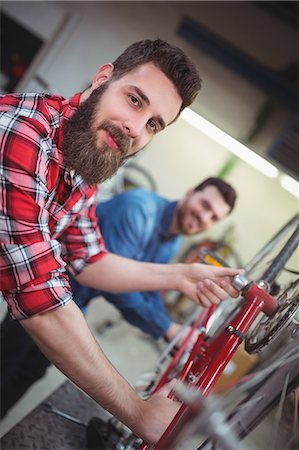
(207, 285)
(157, 413)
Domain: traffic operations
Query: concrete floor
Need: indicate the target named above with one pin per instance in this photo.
(132, 353)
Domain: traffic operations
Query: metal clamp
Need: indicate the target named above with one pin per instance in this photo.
(238, 333)
(240, 282)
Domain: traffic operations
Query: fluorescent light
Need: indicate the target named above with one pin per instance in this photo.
(291, 185)
(229, 143)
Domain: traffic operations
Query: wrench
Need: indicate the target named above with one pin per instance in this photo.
(50, 408)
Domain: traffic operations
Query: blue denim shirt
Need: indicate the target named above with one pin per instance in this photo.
(135, 224)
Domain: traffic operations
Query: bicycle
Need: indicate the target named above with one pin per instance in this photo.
(130, 175)
(258, 318)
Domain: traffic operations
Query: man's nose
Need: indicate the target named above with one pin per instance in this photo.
(206, 217)
(133, 128)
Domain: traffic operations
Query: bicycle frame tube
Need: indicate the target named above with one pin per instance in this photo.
(202, 320)
(213, 356)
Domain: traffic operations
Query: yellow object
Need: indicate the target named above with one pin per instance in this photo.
(240, 364)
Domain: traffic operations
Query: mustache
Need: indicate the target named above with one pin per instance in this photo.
(122, 140)
(95, 163)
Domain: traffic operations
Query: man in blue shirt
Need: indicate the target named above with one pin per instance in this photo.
(144, 226)
(140, 225)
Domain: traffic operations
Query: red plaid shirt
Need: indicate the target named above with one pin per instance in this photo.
(47, 218)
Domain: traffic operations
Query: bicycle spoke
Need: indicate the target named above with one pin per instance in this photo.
(279, 412)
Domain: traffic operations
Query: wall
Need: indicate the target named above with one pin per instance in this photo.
(181, 155)
(104, 29)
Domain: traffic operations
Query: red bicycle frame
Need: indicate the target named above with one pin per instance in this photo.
(202, 321)
(208, 359)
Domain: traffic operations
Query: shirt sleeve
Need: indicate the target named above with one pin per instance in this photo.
(32, 268)
(145, 310)
(83, 243)
(126, 222)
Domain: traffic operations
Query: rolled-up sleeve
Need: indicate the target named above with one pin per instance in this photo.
(32, 261)
(83, 243)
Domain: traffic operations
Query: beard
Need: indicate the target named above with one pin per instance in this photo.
(182, 212)
(94, 163)
(180, 220)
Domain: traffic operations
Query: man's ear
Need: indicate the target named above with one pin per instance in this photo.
(102, 75)
(188, 194)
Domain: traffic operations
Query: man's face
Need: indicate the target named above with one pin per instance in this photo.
(117, 120)
(199, 210)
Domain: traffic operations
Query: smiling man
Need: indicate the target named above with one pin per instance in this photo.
(145, 226)
(53, 152)
(97, 138)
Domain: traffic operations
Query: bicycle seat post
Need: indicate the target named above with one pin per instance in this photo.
(251, 291)
(254, 291)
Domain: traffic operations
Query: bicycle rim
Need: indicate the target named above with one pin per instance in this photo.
(262, 265)
(270, 392)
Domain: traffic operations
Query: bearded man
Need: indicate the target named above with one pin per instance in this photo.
(53, 152)
(145, 226)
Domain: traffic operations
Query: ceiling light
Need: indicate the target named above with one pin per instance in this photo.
(291, 185)
(229, 143)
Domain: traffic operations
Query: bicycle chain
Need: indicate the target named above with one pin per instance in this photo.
(272, 329)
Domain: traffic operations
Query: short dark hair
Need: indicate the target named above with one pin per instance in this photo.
(172, 61)
(228, 193)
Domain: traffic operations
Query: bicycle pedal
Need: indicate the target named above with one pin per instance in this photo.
(101, 435)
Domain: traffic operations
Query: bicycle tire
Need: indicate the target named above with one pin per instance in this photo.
(263, 398)
(268, 328)
(122, 181)
(291, 225)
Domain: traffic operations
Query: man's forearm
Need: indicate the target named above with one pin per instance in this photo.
(64, 337)
(201, 283)
(115, 273)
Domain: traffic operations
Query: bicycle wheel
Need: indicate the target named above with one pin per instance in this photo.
(257, 268)
(278, 280)
(268, 390)
(129, 176)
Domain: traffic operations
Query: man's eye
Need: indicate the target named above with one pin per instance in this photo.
(134, 99)
(152, 125)
(206, 206)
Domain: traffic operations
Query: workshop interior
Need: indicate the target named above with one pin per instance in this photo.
(243, 127)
